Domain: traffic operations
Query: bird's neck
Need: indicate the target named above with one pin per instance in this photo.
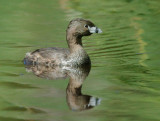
(74, 41)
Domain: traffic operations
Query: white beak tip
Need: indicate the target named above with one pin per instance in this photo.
(99, 31)
(94, 30)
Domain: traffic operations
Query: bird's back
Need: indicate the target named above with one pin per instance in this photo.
(52, 55)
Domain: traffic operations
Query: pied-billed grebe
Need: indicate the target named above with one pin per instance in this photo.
(76, 100)
(74, 55)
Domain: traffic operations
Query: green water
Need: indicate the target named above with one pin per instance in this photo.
(125, 71)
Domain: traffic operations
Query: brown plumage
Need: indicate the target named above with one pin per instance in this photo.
(74, 55)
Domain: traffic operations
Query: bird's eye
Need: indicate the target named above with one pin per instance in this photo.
(86, 25)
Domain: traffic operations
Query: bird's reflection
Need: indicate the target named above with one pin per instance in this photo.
(75, 99)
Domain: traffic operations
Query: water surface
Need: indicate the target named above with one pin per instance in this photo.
(125, 71)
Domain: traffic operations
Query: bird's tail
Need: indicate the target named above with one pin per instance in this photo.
(28, 59)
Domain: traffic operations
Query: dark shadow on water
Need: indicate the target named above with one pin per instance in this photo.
(23, 109)
(17, 85)
(75, 99)
(16, 119)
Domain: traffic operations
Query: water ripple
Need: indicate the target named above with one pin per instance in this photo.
(24, 109)
(16, 85)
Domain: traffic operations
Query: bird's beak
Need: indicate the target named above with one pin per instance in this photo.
(94, 29)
